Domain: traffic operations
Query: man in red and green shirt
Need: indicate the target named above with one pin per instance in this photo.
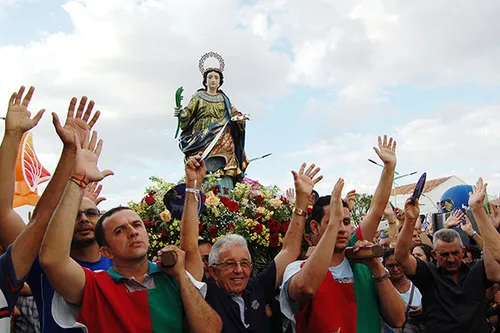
(135, 295)
(327, 293)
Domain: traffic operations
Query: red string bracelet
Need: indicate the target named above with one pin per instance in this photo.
(79, 181)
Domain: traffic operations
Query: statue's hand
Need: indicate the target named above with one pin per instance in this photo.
(179, 112)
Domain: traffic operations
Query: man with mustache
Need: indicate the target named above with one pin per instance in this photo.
(453, 293)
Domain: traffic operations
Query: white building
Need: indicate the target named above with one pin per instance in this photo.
(433, 191)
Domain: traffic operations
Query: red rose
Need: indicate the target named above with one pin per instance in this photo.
(213, 231)
(151, 192)
(259, 200)
(258, 216)
(232, 206)
(164, 234)
(284, 227)
(231, 226)
(274, 226)
(274, 240)
(284, 200)
(153, 223)
(147, 224)
(216, 189)
(258, 228)
(149, 199)
(203, 198)
(200, 226)
(224, 199)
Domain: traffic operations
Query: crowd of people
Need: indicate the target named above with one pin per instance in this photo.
(73, 268)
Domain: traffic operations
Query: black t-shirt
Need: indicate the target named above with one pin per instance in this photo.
(258, 293)
(452, 307)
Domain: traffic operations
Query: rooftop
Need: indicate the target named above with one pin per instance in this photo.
(429, 186)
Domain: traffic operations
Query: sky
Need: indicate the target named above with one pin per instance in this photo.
(321, 80)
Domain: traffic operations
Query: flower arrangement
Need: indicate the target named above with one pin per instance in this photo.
(258, 213)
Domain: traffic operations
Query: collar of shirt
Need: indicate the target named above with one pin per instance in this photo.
(132, 284)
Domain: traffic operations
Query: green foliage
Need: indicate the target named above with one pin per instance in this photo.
(361, 206)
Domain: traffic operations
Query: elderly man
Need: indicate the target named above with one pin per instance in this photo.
(453, 294)
(134, 295)
(239, 299)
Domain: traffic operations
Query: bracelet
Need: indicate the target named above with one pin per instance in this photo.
(300, 212)
(381, 278)
(79, 181)
(193, 190)
(473, 234)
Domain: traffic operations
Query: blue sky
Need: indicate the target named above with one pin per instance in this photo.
(321, 80)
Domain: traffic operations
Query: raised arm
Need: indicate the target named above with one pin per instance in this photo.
(27, 245)
(404, 243)
(304, 184)
(393, 223)
(306, 282)
(386, 151)
(469, 230)
(64, 274)
(490, 236)
(195, 172)
(17, 122)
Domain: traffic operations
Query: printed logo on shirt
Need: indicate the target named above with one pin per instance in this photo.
(255, 304)
(349, 279)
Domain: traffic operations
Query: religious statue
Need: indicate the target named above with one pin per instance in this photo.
(212, 126)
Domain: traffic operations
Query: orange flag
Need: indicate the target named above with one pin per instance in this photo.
(29, 173)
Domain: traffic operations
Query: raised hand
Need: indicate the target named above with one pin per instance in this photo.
(454, 219)
(386, 150)
(18, 118)
(93, 191)
(400, 215)
(87, 155)
(388, 211)
(290, 194)
(467, 226)
(476, 198)
(350, 198)
(77, 124)
(494, 215)
(336, 207)
(195, 170)
(305, 181)
(412, 212)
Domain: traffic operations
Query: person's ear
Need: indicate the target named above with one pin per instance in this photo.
(314, 227)
(106, 251)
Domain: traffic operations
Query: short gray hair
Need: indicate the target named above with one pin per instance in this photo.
(448, 236)
(222, 243)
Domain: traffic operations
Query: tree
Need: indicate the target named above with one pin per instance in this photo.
(361, 206)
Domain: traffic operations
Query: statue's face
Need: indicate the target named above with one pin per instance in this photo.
(213, 80)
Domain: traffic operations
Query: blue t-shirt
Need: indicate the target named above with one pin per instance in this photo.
(43, 293)
(10, 289)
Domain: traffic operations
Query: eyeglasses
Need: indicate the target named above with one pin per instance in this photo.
(231, 265)
(204, 259)
(392, 266)
(91, 213)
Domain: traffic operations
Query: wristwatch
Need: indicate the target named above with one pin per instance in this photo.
(474, 233)
(381, 278)
(300, 212)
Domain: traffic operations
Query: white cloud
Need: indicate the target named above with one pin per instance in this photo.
(130, 57)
